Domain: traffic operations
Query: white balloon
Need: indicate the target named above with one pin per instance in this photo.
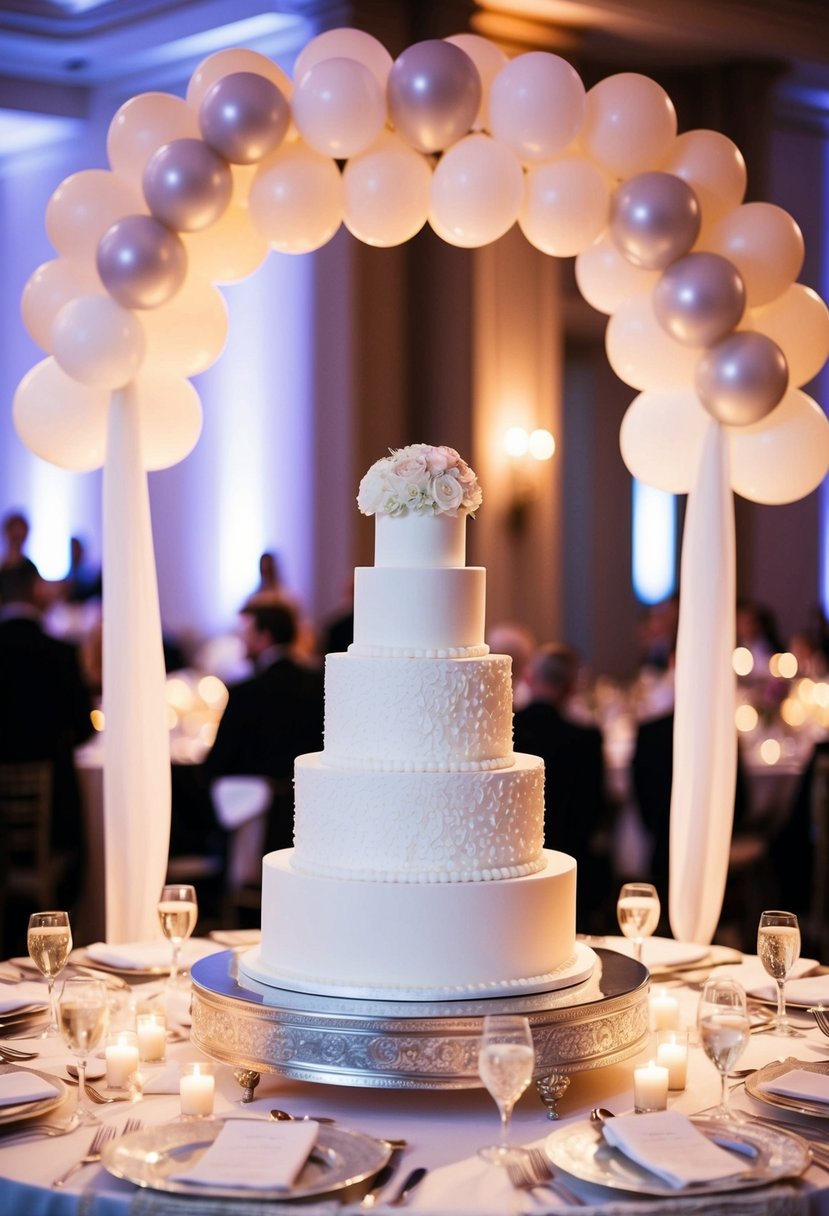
(171, 418)
(296, 200)
(387, 191)
(566, 206)
(187, 335)
(629, 124)
(227, 252)
(606, 278)
(537, 105)
(140, 127)
(784, 456)
(347, 44)
(339, 108)
(643, 354)
(477, 189)
(764, 243)
(798, 321)
(51, 286)
(98, 342)
(84, 206)
(227, 63)
(713, 167)
(60, 420)
(661, 439)
(488, 59)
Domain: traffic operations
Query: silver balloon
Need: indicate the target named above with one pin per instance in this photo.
(654, 219)
(699, 299)
(243, 117)
(141, 262)
(187, 185)
(742, 378)
(434, 92)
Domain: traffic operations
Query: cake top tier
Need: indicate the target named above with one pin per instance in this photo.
(420, 479)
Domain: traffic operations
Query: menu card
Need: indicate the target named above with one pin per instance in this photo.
(799, 1083)
(255, 1155)
(668, 1144)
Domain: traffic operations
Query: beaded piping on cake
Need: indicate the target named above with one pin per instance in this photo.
(495, 874)
(378, 765)
(414, 652)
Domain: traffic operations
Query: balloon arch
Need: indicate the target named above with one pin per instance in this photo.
(706, 322)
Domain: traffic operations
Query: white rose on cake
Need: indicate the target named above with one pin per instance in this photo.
(420, 478)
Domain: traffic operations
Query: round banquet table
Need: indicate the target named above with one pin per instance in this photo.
(443, 1130)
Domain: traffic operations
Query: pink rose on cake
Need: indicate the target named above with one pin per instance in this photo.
(420, 478)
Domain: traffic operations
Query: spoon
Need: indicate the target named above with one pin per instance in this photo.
(600, 1114)
(282, 1116)
(95, 1094)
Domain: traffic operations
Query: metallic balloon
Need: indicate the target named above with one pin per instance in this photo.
(244, 117)
(141, 262)
(434, 92)
(742, 378)
(699, 299)
(187, 185)
(654, 219)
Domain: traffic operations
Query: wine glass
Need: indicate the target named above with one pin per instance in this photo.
(505, 1065)
(723, 1027)
(49, 941)
(83, 1014)
(637, 910)
(778, 945)
(178, 910)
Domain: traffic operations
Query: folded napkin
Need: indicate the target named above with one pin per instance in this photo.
(22, 996)
(164, 1080)
(669, 1145)
(799, 1083)
(258, 1155)
(21, 1086)
(144, 956)
(811, 990)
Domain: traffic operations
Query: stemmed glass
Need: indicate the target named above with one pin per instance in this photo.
(83, 1014)
(778, 945)
(49, 941)
(505, 1065)
(723, 1027)
(178, 910)
(637, 910)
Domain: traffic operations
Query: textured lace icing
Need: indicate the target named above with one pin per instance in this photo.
(379, 765)
(496, 874)
(412, 652)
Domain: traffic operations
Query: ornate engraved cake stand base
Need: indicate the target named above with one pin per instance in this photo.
(408, 1045)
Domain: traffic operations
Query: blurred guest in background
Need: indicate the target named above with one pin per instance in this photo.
(16, 568)
(757, 631)
(83, 580)
(338, 632)
(519, 642)
(577, 811)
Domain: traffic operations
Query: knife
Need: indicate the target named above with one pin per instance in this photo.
(381, 1178)
(409, 1183)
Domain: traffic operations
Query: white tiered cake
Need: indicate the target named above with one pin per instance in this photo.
(418, 871)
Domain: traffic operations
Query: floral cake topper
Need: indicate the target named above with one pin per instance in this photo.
(420, 478)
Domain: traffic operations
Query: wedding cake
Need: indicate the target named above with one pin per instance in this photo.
(418, 870)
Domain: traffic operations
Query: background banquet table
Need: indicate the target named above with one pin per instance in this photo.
(443, 1130)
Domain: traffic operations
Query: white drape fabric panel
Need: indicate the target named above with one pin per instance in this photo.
(705, 739)
(136, 741)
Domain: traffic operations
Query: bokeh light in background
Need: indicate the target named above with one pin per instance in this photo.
(654, 543)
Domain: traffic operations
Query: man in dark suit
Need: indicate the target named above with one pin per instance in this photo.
(271, 718)
(577, 813)
(45, 709)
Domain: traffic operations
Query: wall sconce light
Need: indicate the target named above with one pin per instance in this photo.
(526, 449)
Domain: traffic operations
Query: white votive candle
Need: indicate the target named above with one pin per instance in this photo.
(672, 1052)
(664, 1010)
(196, 1089)
(650, 1087)
(121, 1055)
(152, 1036)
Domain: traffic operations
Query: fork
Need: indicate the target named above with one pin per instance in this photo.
(101, 1138)
(534, 1168)
(10, 1054)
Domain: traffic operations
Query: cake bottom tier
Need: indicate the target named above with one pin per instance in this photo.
(406, 941)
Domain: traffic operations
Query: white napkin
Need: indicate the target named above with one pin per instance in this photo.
(164, 1080)
(668, 1144)
(22, 996)
(811, 990)
(259, 1155)
(800, 1083)
(20, 1086)
(143, 956)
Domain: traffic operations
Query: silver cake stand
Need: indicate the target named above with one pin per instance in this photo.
(409, 1045)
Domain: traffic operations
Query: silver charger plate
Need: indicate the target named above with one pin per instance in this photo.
(772, 1072)
(582, 1151)
(340, 1159)
(31, 1110)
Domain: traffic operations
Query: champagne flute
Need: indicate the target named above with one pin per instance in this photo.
(505, 1065)
(49, 941)
(178, 910)
(778, 945)
(83, 1014)
(637, 910)
(723, 1027)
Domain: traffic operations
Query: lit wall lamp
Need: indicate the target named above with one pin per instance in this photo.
(526, 449)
